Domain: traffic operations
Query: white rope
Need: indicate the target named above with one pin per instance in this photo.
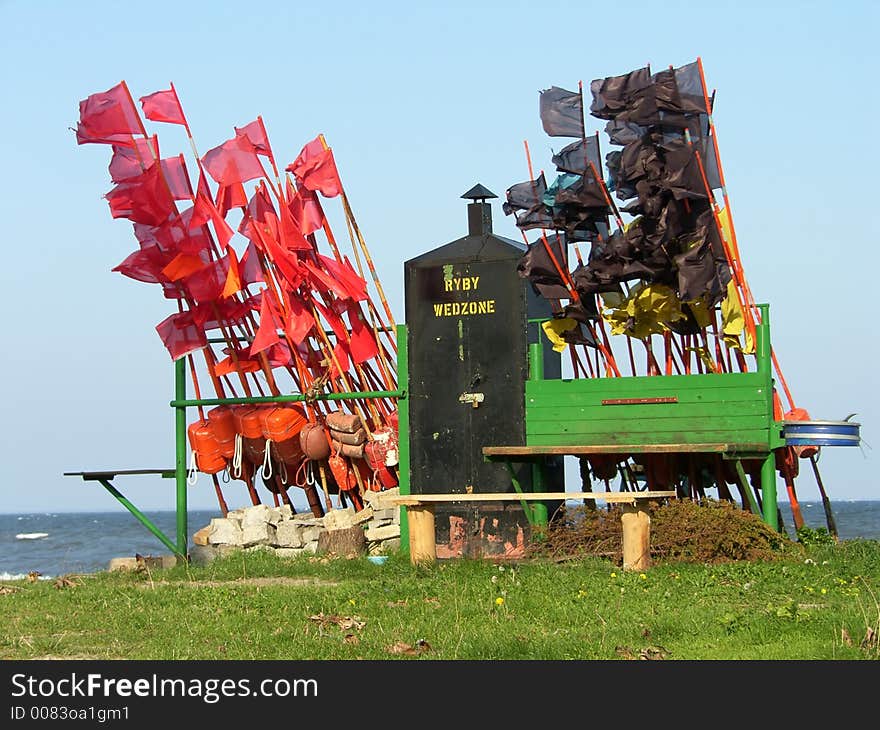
(192, 474)
(267, 462)
(236, 457)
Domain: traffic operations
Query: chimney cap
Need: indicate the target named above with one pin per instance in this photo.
(478, 192)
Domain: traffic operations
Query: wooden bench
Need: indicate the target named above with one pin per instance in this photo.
(634, 518)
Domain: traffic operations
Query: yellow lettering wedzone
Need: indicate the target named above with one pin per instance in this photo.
(464, 309)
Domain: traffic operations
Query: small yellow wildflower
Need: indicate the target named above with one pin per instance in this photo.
(351, 601)
(643, 576)
(824, 591)
(613, 574)
(499, 601)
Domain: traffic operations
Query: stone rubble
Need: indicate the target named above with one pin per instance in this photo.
(289, 535)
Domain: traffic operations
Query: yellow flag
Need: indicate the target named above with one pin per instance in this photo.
(554, 328)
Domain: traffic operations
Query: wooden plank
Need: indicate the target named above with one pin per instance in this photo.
(692, 395)
(93, 476)
(655, 414)
(638, 441)
(676, 384)
(617, 497)
(540, 450)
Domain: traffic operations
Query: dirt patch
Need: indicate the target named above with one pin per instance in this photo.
(681, 531)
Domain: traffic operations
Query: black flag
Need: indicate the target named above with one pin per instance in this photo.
(562, 112)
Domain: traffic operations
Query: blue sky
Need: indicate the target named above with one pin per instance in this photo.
(419, 103)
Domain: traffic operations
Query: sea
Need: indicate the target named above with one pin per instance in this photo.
(63, 543)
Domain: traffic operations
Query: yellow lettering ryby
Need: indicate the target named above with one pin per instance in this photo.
(461, 283)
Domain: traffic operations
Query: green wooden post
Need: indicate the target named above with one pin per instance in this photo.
(180, 463)
(768, 468)
(403, 429)
(536, 372)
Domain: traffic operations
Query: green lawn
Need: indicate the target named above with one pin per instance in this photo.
(820, 605)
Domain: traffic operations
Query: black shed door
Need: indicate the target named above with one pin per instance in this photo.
(466, 328)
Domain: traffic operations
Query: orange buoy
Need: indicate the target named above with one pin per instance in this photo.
(247, 423)
(206, 448)
(282, 426)
(222, 420)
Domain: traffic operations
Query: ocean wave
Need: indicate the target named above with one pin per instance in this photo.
(31, 535)
(21, 576)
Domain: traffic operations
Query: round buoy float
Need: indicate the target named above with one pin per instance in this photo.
(821, 433)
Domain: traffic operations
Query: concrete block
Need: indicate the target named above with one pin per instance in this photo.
(383, 533)
(307, 519)
(279, 514)
(258, 534)
(203, 554)
(378, 500)
(365, 515)
(311, 547)
(225, 532)
(259, 514)
(311, 533)
(384, 547)
(200, 537)
(284, 552)
(289, 534)
(339, 519)
(123, 564)
(386, 513)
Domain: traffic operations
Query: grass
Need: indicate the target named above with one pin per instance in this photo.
(818, 603)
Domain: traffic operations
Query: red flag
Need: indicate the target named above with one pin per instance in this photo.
(233, 161)
(206, 284)
(250, 270)
(335, 322)
(233, 281)
(204, 188)
(306, 211)
(203, 211)
(130, 161)
(322, 281)
(255, 132)
(143, 199)
(177, 177)
(291, 236)
(267, 334)
(177, 234)
(181, 335)
(144, 265)
(363, 344)
(279, 354)
(183, 265)
(241, 363)
(84, 136)
(163, 106)
(355, 286)
(299, 322)
(110, 112)
(222, 312)
(315, 169)
(229, 197)
(340, 351)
